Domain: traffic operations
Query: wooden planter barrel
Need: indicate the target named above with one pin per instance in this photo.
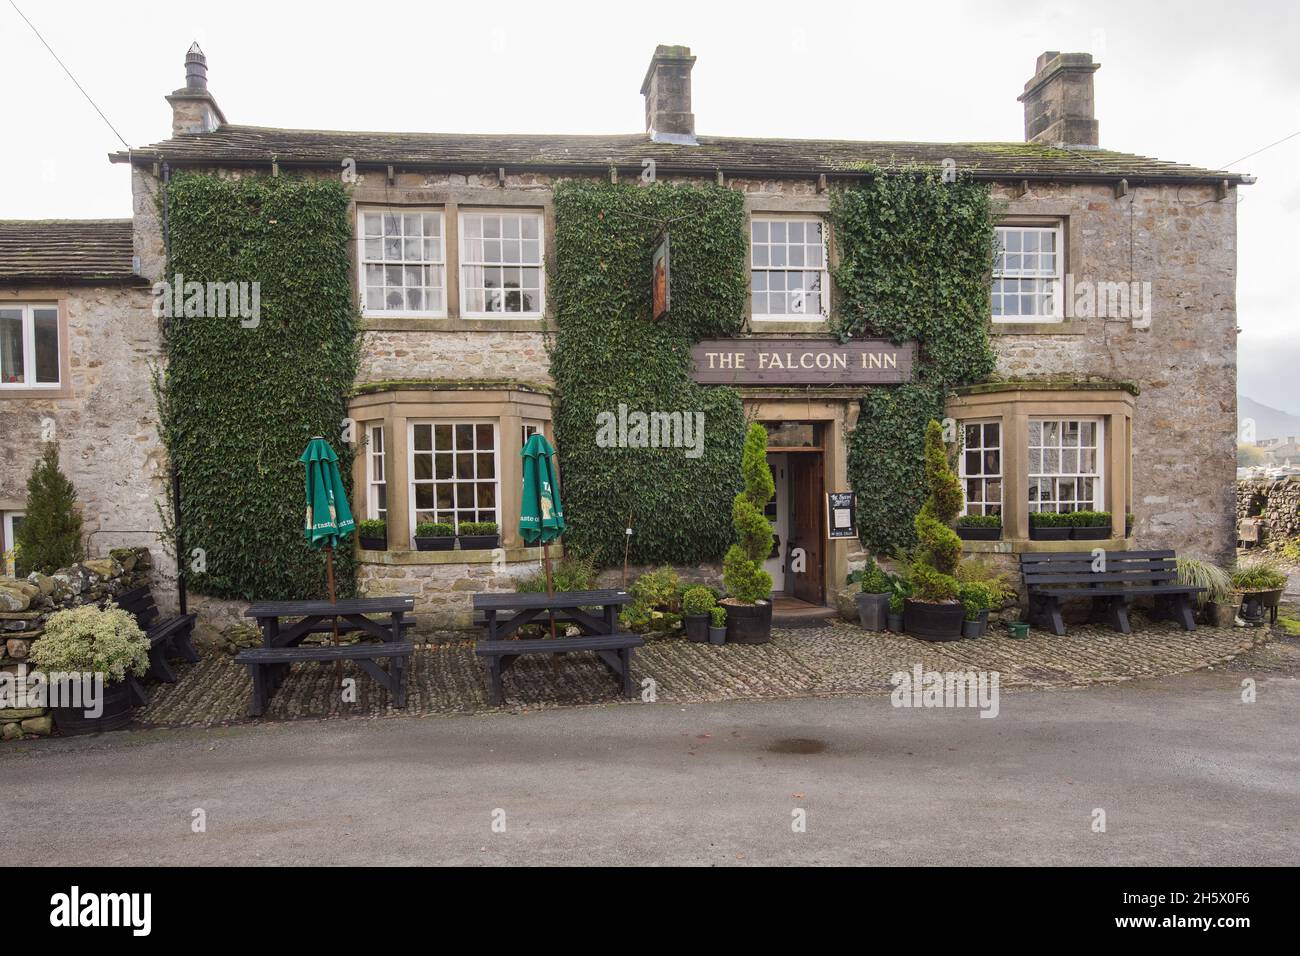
(749, 623)
(72, 721)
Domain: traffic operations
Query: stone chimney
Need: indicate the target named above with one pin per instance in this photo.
(194, 110)
(1058, 100)
(667, 92)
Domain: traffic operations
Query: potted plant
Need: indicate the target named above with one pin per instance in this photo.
(91, 640)
(1128, 525)
(977, 598)
(433, 536)
(697, 605)
(373, 534)
(478, 535)
(873, 597)
(749, 587)
(717, 624)
(1261, 583)
(1049, 526)
(979, 527)
(1089, 525)
(895, 620)
(1217, 598)
(933, 612)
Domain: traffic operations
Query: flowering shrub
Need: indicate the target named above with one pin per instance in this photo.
(105, 641)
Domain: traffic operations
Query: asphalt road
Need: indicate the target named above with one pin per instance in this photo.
(1185, 771)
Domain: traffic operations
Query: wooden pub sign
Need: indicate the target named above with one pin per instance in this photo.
(801, 362)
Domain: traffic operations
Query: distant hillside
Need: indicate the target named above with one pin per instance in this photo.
(1269, 422)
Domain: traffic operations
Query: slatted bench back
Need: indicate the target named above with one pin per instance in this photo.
(140, 603)
(1120, 568)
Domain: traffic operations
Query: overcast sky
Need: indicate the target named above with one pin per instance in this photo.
(1196, 82)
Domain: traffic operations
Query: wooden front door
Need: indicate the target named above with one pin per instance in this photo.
(806, 531)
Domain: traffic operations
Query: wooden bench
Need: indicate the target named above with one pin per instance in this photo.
(1120, 576)
(270, 665)
(166, 635)
(614, 651)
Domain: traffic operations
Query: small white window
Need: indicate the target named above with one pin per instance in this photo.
(981, 467)
(9, 525)
(788, 277)
(454, 473)
(29, 346)
(501, 264)
(1065, 465)
(403, 262)
(376, 474)
(527, 431)
(1027, 274)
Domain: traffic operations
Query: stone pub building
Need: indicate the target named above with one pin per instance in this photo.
(1118, 394)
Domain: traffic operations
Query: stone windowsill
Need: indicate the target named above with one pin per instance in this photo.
(407, 557)
(1064, 327)
(1030, 546)
(454, 324)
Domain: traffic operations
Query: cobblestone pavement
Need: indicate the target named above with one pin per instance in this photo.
(835, 659)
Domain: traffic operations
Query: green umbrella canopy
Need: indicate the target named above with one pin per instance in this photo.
(329, 519)
(541, 516)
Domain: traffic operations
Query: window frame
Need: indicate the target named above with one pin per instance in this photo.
(984, 476)
(373, 483)
(9, 540)
(369, 313)
(412, 481)
(805, 317)
(463, 263)
(1098, 502)
(27, 317)
(1054, 284)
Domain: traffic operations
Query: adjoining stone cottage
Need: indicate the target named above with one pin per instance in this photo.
(1113, 321)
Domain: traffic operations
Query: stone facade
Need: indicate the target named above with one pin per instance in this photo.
(1268, 512)
(105, 421)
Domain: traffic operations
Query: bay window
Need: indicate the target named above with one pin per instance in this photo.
(376, 474)
(981, 467)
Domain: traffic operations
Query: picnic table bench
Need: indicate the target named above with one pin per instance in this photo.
(504, 614)
(1051, 578)
(281, 645)
(166, 635)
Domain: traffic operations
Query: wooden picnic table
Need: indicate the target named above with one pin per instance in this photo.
(521, 609)
(269, 664)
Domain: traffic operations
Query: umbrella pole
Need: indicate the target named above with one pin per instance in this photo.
(334, 621)
(550, 591)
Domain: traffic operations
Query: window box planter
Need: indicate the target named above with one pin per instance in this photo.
(372, 535)
(1049, 534)
(1089, 525)
(479, 542)
(967, 533)
(749, 623)
(373, 544)
(1089, 534)
(72, 721)
(433, 536)
(1049, 526)
(933, 622)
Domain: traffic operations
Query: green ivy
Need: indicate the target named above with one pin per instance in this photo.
(239, 404)
(608, 350)
(916, 256)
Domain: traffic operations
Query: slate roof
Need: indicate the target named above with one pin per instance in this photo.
(66, 250)
(256, 145)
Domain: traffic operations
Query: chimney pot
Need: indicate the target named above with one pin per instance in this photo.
(667, 92)
(194, 110)
(196, 68)
(1058, 100)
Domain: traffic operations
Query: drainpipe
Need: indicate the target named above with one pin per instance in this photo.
(182, 593)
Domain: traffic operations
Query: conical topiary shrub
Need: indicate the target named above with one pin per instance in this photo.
(933, 611)
(749, 586)
(50, 536)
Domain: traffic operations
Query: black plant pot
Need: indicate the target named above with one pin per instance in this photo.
(696, 627)
(977, 627)
(1049, 534)
(873, 610)
(1128, 529)
(374, 544)
(979, 534)
(73, 721)
(444, 543)
(749, 623)
(717, 635)
(1089, 534)
(895, 622)
(933, 622)
(479, 542)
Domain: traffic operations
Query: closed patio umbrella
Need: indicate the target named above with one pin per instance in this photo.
(329, 519)
(541, 516)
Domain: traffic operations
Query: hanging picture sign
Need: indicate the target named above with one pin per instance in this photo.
(662, 279)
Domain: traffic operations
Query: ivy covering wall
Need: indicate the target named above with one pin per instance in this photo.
(238, 404)
(607, 351)
(915, 260)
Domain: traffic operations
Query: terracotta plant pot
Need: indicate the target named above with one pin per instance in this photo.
(933, 622)
(749, 623)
